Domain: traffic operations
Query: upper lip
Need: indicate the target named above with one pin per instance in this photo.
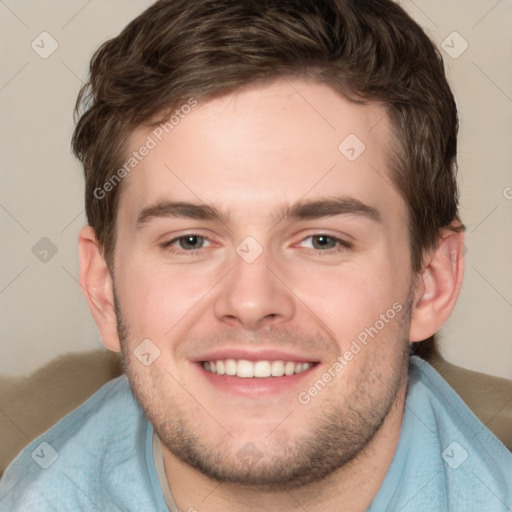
(255, 354)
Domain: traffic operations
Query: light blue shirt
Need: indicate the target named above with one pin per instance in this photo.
(100, 457)
(446, 459)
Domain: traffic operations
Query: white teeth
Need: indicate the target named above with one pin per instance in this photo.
(277, 368)
(289, 369)
(299, 368)
(230, 367)
(245, 369)
(260, 369)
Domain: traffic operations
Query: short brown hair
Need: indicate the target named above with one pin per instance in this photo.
(367, 50)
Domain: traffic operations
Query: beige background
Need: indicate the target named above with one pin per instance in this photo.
(42, 311)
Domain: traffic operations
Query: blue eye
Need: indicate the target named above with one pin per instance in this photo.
(186, 243)
(191, 242)
(323, 242)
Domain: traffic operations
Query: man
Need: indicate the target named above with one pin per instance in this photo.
(272, 207)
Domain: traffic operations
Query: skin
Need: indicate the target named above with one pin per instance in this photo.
(251, 155)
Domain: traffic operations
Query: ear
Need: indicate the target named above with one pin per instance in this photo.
(438, 286)
(96, 283)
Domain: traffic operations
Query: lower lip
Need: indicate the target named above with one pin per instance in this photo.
(256, 386)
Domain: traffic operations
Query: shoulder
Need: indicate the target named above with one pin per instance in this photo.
(472, 461)
(71, 462)
(425, 383)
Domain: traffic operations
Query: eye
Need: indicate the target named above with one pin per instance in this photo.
(186, 243)
(326, 243)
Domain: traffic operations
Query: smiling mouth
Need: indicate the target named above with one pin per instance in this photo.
(245, 369)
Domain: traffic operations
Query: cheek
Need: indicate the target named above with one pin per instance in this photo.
(155, 296)
(349, 298)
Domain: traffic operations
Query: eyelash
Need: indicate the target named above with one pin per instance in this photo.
(168, 244)
(342, 245)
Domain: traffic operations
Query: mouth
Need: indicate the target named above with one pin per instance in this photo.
(252, 377)
(245, 369)
(254, 372)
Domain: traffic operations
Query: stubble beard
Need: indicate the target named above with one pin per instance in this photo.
(338, 434)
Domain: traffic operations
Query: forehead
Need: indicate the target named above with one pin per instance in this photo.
(264, 147)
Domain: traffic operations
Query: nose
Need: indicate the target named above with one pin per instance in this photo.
(254, 295)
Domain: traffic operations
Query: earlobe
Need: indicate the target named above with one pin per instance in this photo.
(96, 283)
(438, 286)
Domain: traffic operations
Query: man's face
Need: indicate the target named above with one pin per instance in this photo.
(284, 248)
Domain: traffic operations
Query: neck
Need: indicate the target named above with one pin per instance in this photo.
(351, 488)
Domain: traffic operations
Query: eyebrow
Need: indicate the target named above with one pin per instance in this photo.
(303, 210)
(330, 207)
(178, 209)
